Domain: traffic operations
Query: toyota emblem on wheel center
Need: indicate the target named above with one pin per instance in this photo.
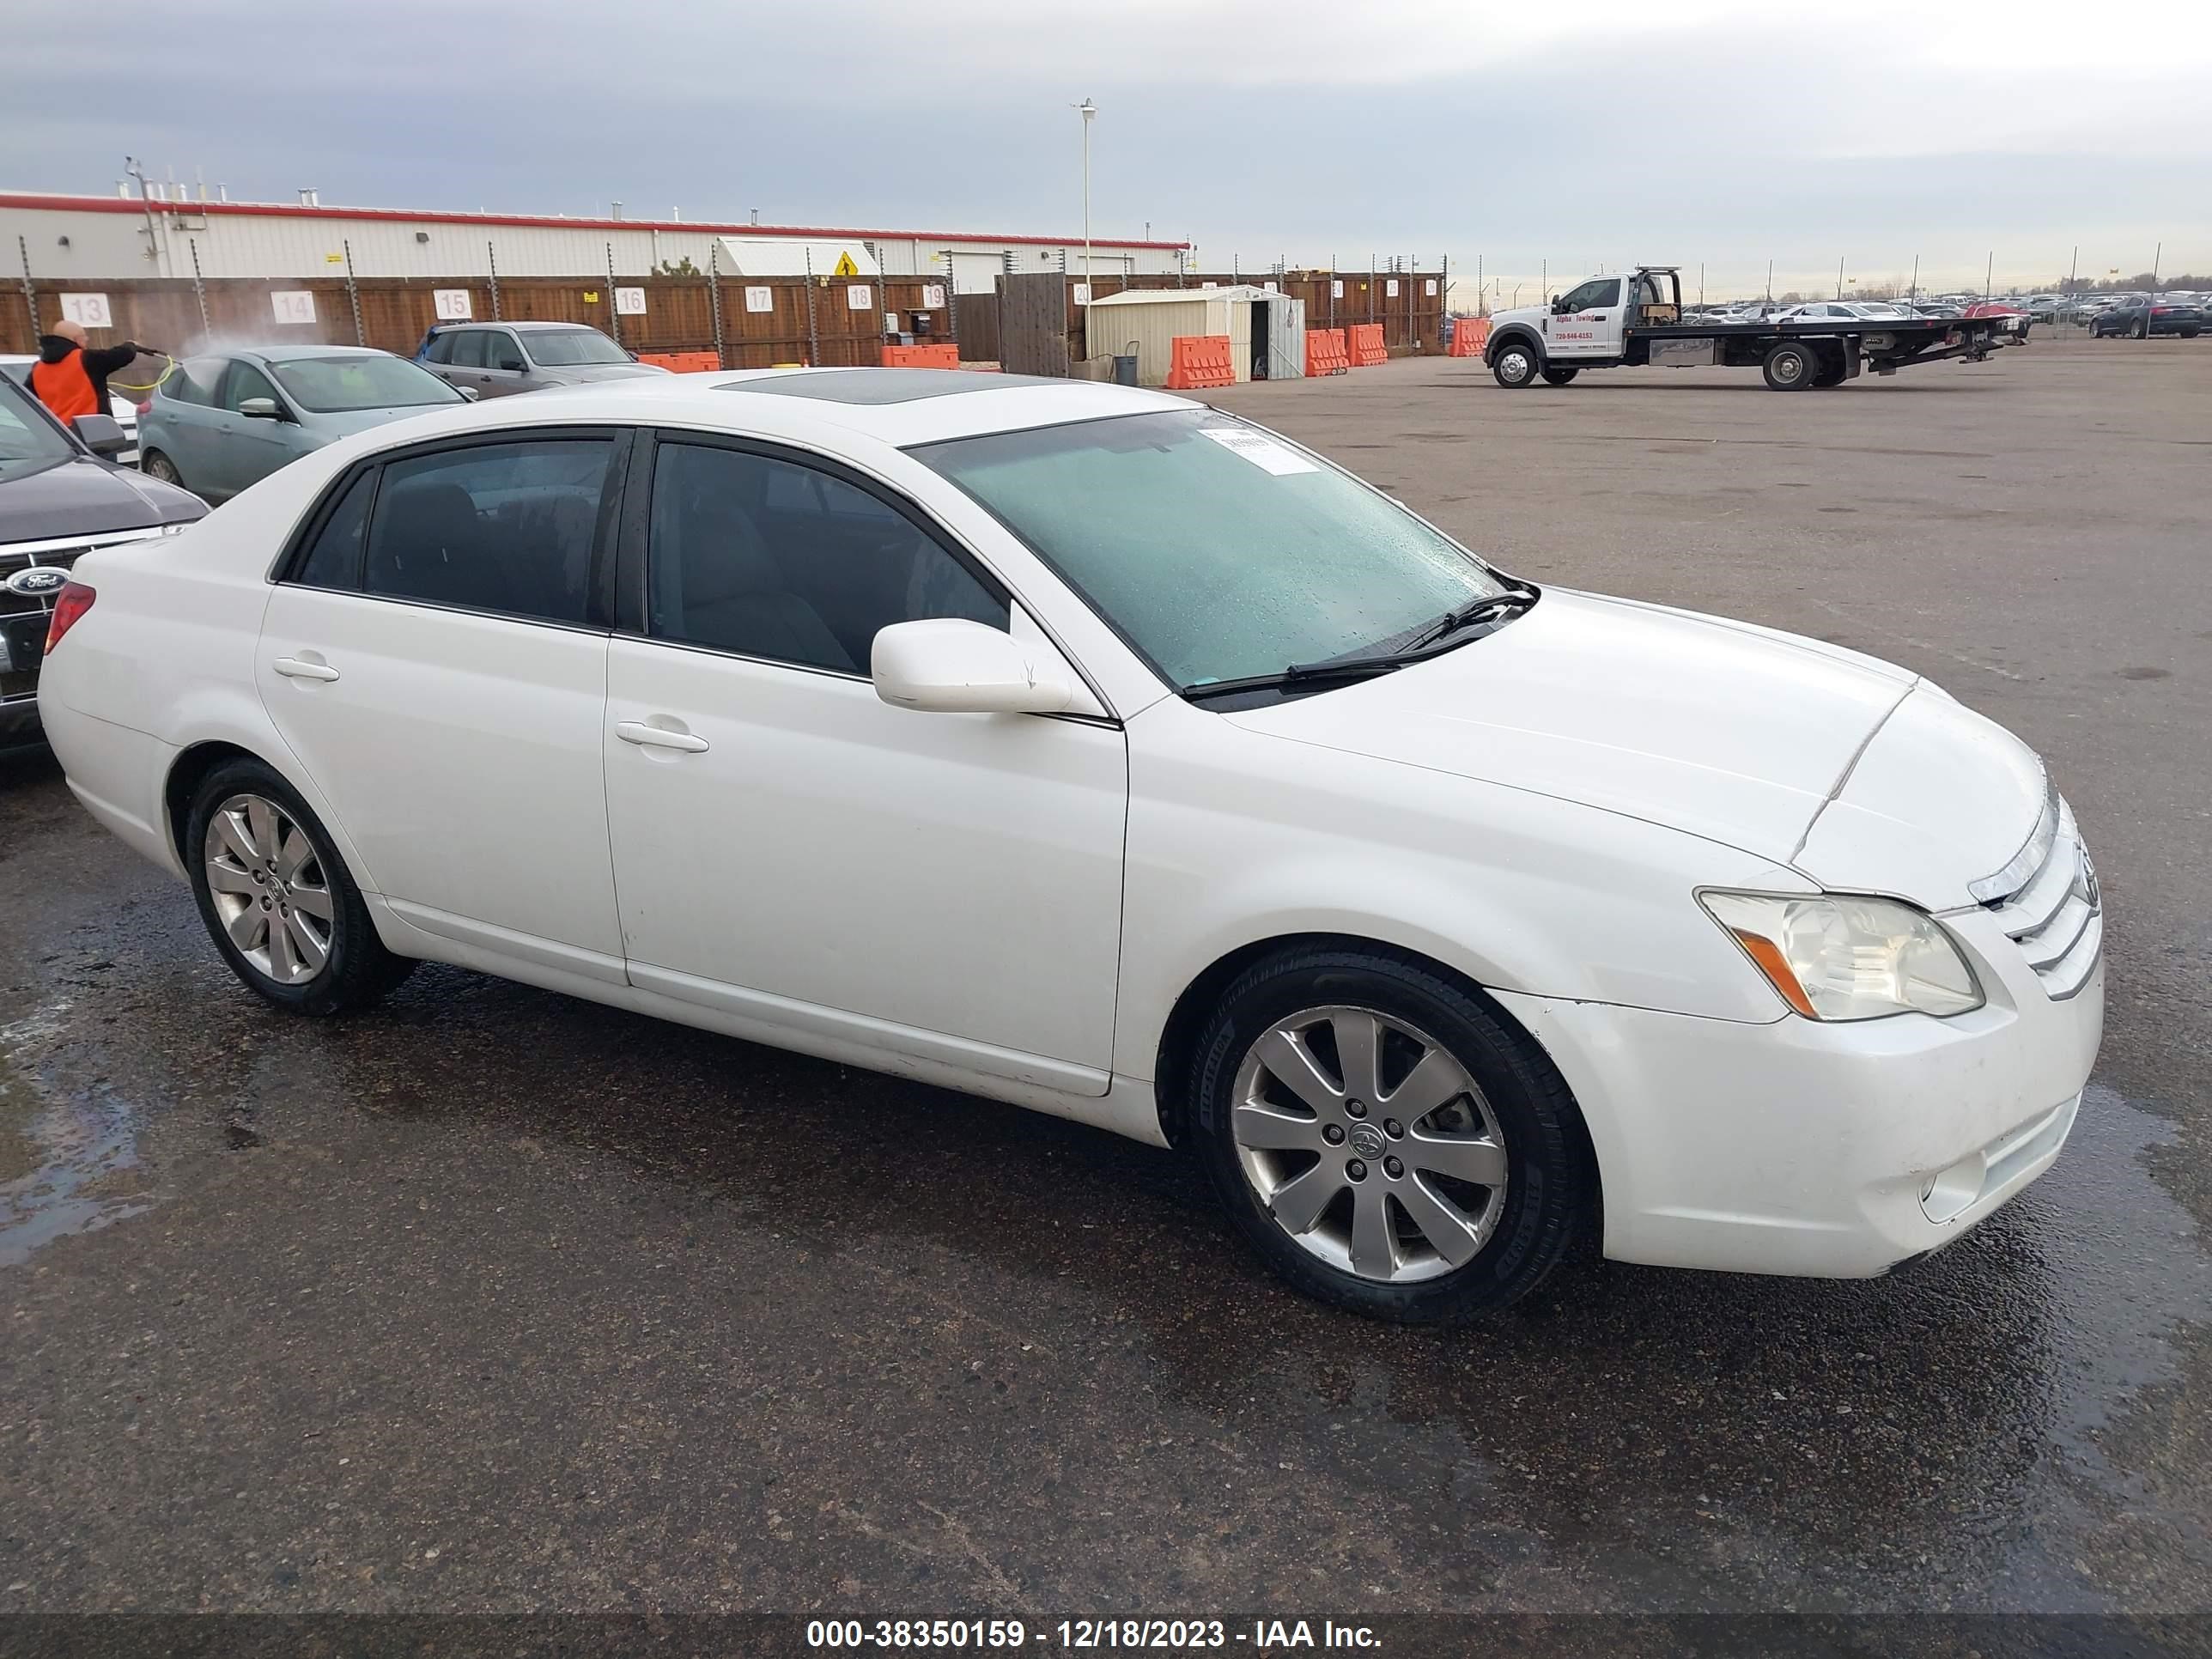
(1366, 1141)
(37, 581)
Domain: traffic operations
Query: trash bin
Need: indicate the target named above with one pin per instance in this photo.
(1125, 366)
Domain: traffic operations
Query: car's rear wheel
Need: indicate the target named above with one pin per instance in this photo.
(155, 465)
(1384, 1140)
(277, 900)
(1790, 367)
(2142, 331)
(1516, 365)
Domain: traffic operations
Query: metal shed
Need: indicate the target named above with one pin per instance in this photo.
(1265, 329)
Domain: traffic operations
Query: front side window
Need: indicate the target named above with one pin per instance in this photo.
(1598, 292)
(1215, 548)
(570, 348)
(498, 527)
(246, 381)
(769, 558)
(334, 384)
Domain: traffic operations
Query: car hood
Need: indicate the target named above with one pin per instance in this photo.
(1733, 733)
(587, 373)
(1529, 314)
(1851, 770)
(84, 497)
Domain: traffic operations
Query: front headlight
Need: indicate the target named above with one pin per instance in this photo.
(1837, 957)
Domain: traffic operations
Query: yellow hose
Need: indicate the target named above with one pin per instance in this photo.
(125, 386)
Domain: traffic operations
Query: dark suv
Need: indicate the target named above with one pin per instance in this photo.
(60, 497)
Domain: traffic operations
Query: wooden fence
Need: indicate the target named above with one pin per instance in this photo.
(763, 320)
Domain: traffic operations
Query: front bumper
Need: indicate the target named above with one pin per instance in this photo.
(1835, 1151)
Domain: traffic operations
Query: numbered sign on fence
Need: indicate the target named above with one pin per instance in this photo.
(891, 322)
(1390, 288)
(1270, 286)
(452, 304)
(1336, 291)
(933, 296)
(295, 308)
(859, 297)
(1082, 293)
(759, 298)
(629, 303)
(1429, 287)
(87, 310)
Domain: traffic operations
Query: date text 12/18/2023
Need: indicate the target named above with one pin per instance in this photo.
(1158, 1634)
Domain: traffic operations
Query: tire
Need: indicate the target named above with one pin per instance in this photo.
(240, 829)
(1516, 364)
(1833, 372)
(2189, 333)
(1790, 365)
(1397, 1220)
(156, 466)
(1555, 375)
(2142, 331)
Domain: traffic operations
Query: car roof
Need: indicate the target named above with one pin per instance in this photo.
(293, 354)
(897, 407)
(501, 322)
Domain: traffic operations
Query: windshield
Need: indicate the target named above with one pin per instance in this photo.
(27, 442)
(570, 348)
(331, 386)
(1213, 548)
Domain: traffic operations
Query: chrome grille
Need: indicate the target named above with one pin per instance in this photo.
(2054, 911)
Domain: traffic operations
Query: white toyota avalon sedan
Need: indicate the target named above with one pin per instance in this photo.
(1103, 753)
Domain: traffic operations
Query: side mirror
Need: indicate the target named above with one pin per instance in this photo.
(470, 392)
(945, 666)
(511, 365)
(100, 435)
(260, 409)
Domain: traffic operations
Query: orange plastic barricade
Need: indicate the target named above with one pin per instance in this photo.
(682, 362)
(1365, 343)
(946, 356)
(1325, 353)
(1199, 361)
(1469, 336)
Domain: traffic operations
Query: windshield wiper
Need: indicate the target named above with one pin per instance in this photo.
(1466, 615)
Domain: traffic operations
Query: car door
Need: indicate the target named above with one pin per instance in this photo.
(190, 424)
(1587, 323)
(435, 655)
(505, 370)
(256, 445)
(795, 853)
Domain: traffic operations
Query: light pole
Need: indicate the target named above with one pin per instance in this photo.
(1089, 112)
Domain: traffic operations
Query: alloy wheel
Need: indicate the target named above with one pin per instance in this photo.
(270, 893)
(1369, 1144)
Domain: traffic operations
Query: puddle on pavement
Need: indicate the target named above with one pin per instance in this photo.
(69, 1161)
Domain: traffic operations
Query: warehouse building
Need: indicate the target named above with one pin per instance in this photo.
(130, 235)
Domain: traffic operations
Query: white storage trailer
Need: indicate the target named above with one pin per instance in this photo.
(1151, 318)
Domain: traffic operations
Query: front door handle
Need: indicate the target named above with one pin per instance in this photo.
(659, 737)
(295, 668)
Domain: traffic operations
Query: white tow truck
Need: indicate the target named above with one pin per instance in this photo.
(1635, 319)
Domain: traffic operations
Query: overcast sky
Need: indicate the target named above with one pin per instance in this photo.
(1565, 136)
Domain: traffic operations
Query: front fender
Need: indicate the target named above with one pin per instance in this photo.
(1520, 332)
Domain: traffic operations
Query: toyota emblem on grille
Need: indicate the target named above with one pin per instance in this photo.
(37, 582)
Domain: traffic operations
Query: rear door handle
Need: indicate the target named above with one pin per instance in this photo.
(295, 668)
(659, 737)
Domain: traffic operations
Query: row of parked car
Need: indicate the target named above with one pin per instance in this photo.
(216, 424)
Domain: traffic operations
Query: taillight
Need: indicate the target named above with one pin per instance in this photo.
(71, 603)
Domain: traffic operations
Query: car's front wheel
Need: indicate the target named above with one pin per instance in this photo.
(1385, 1140)
(156, 466)
(277, 898)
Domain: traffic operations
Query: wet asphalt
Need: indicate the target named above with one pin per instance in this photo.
(490, 1300)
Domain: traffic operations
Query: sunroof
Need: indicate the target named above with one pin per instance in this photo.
(885, 386)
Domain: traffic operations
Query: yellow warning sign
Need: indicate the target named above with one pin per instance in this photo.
(844, 266)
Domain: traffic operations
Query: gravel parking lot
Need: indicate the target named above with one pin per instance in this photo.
(491, 1300)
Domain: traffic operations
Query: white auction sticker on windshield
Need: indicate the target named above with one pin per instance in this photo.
(1261, 450)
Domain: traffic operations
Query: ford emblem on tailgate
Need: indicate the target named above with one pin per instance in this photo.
(38, 581)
